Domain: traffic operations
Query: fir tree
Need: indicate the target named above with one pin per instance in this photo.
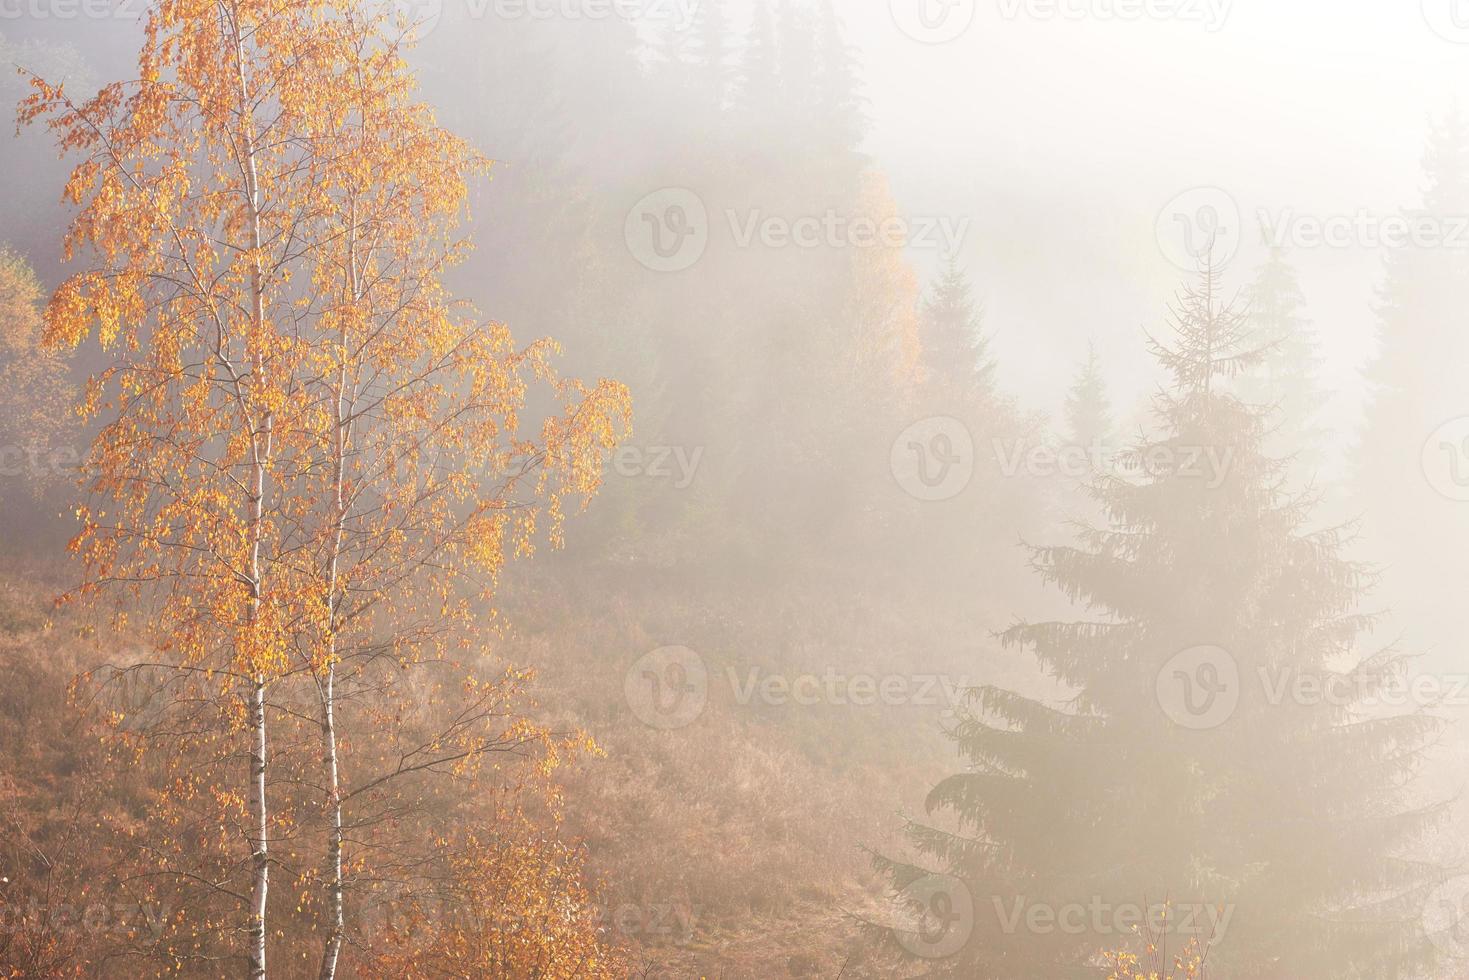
(759, 75)
(839, 107)
(674, 52)
(1088, 409)
(1287, 378)
(796, 60)
(956, 361)
(711, 29)
(1288, 813)
(1416, 385)
(1422, 345)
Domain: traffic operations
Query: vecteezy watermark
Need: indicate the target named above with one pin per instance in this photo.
(73, 9)
(1362, 689)
(935, 916)
(667, 688)
(38, 461)
(833, 687)
(421, 17)
(1364, 229)
(668, 231)
(1199, 224)
(123, 920)
(1097, 916)
(418, 17)
(1446, 459)
(1446, 917)
(833, 229)
(1210, 464)
(675, 464)
(933, 21)
(396, 909)
(676, 14)
(933, 459)
(1212, 14)
(1199, 688)
(664, 923)
(1449, 19)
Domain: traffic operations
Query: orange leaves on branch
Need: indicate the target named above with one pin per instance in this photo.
(37, 421)
(310, 456)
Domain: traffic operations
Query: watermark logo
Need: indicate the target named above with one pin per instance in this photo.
(73, 9)
(933, 459)
(1449, 19)
(833, 229)
(1199, 688)
(418, 17)
(1209, 464)
(676, 465)
(670, 687)
(402, 912)
(38, 462)
(1202, 687)
(933, 21)
(667, 688)
(1446, 917)
(668, 230)
(1211, 13)
(1363, 229)
(656, 923)
(1446, 459)
(1199, 223)
(936, 916)
(135, 921)
(834, 687)
(1099, 917)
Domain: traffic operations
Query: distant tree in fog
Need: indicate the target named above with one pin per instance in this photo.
(38, 430)
(1411, 476)
(1287, 381)
(1088, 409)
(1166, 765)
(714, 44)
(956, 355)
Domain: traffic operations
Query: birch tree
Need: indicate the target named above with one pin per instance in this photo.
(309, 450)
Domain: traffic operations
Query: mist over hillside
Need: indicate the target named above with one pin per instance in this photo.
(734, 488)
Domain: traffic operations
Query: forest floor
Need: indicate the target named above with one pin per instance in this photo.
(736, 843)
(739, 844)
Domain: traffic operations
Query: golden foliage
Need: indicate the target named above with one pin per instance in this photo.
(1156, 963)
(509, 910)
(37, 423)
(309, 453)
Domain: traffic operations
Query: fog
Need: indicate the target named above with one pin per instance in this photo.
(1002, 471)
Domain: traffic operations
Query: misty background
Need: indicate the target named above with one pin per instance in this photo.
(1054, 172)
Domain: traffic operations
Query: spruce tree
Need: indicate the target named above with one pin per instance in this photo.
(839, 108)
(956, 359)
(759, 85)
(1423, 348)
(1287, 380)
(1088, 410)
(711, 29)
(1409, 475)
(796, 59)
(1287, 813)
(674, 52)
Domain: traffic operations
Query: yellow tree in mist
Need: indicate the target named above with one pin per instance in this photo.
(36, 397)
(308, 451)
